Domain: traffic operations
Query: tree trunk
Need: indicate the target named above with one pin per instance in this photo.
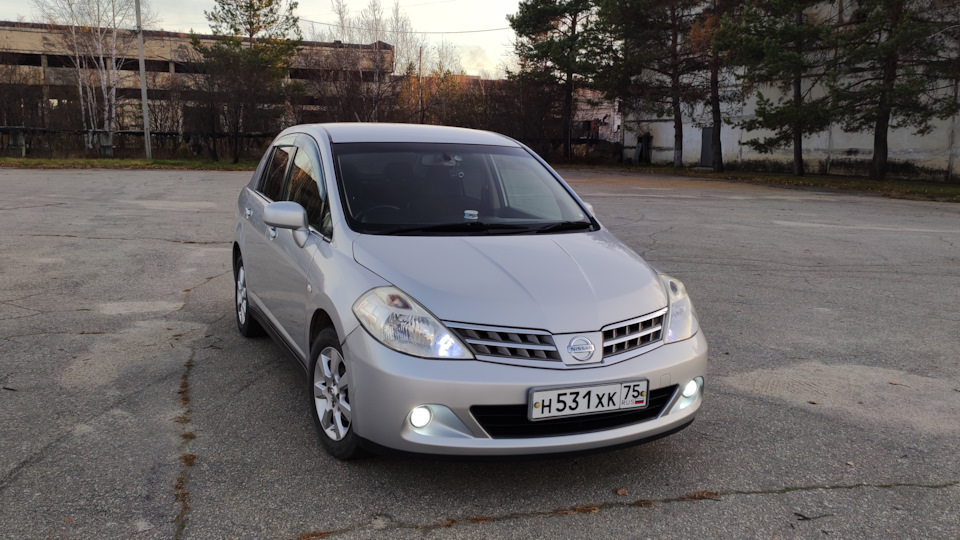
(677, 133)
(419, 86)
(797, 131)
(675, 87)
(952, 139)
(235, 134)
(878, 165)
(568, 94)
(715, 109)
(567, 115)
(891, 66)
(797, 103)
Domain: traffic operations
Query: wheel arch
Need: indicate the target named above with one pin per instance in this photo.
(320, 321)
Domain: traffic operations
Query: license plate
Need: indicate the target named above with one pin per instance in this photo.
(574, 401)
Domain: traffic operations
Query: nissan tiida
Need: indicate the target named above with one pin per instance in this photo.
(447, 293)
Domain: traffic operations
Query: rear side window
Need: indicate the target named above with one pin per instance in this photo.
(272, 184)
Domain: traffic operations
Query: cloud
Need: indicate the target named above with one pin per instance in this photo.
(475, 59)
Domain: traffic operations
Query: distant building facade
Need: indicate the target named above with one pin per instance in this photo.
(39, 75)
(833, 151)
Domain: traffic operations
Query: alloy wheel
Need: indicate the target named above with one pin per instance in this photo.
(331, 394)
(241, 295)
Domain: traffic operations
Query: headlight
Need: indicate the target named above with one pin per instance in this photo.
(682, 318)
(399, 322)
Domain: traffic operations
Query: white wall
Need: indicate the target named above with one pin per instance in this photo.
(930, 151)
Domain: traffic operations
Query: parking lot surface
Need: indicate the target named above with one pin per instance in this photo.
(130, 407)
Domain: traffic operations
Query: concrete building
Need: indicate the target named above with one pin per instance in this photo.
(831, 152)
(37, 66)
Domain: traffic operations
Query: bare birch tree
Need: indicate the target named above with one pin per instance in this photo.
(100, 36)
(356, 79)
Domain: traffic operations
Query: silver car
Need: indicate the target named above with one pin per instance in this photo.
(448, 293)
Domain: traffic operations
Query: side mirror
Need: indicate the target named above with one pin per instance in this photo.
(288, 215)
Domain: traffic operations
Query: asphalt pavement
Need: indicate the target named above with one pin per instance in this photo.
(130, 407)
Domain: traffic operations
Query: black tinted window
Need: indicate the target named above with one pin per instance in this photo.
(407, 187)
(272, 185)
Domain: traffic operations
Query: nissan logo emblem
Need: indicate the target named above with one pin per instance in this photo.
(581, 348)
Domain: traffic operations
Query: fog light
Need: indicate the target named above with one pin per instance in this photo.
(691, 394)
(420, 416)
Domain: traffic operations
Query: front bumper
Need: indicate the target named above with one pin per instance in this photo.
(387, 385)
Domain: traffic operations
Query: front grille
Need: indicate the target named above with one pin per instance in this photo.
(633, 334)
(511, 422)
(499, 343)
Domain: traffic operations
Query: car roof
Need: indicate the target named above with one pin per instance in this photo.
(357, 132)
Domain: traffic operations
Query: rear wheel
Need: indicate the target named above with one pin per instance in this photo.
(330, 398)
(245, 323)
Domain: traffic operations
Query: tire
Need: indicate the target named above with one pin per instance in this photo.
(329, 394)
(245, 322)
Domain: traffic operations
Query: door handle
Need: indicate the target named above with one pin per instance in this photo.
(273, 232)
(248, 212)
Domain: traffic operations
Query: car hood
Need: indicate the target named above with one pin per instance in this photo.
(561, 283)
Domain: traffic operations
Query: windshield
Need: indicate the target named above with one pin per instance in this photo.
(442, 189)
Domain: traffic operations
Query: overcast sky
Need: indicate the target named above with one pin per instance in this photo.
(441, 19)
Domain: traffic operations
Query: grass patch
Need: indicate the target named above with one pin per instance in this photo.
(120, 163)
(894, 188)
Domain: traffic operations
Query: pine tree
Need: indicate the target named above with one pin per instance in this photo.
(783, 45)
(717, 59)
(255, 43)
(645, 61)
(888, 74)
(554, 35)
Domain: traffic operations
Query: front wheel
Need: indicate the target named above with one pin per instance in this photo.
(330, 398)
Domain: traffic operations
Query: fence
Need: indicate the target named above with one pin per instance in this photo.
(18, 141)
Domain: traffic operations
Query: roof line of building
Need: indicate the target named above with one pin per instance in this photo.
(379, 45)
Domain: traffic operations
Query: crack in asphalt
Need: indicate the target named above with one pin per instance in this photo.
(38, 455)
(19, 299)
(38, 334)
(32, 206)
(256, 377)
(21, 316)
(193, 242)
(652, 235)
(11, 303)
(11, 475)
(187, 459)
(385, 522)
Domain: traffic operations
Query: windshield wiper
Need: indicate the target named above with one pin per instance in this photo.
(466, 226)
(565, 226)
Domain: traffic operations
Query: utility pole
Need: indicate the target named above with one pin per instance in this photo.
(952, 138)
(420, 87)
(143, 86)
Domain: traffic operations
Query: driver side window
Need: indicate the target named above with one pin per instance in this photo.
(307, 188)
